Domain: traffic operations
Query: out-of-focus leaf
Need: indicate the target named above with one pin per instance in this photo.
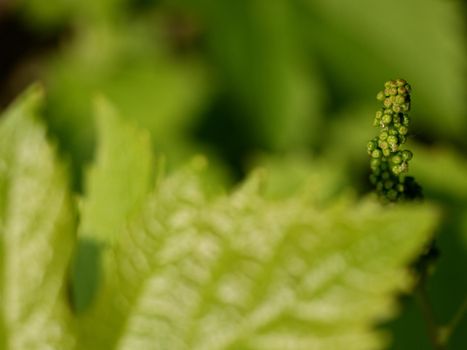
(115, 188)
(442, 172)
(36, 233)
(117, 185)
(48, 14)
(291, 174)
(256, 47)
(242, 272)
(363, 43)
(146, 84)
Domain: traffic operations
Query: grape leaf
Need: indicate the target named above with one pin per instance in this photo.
(243, 272)
(116, 187)
(120, 179)
(37, 226)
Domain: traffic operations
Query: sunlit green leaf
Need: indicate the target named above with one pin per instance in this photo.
(115, 188)
(117, 184)
(37, 228)
(242, 272)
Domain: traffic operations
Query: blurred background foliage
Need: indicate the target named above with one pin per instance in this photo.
(288, 85)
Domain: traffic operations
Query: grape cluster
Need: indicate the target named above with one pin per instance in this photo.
(389, 162)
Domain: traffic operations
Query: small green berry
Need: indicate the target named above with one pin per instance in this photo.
(387, 103)
(386, 119)
(375, 163)
(386, 152)
(400, 99)
(405, 120)
(400, 82)
(376, 153)
(383, 145)
(371, 146)
(396, 159)
(392, 139)
(406, 155)
(380, 96)
(403, 130)
(396, 169)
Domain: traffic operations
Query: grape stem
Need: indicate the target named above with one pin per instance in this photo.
(439, 335)
(428, 315)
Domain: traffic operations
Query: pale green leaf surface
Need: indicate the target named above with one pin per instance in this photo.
(36, 233)
(115, 188)
(242, 272)
(120, 179)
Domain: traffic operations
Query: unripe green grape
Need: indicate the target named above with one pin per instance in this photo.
(386, 119)
(371, 146)
(396, 169)
(376, 153)
(396, 108)
(375, 163)
(403, 130)
(400, 99)
(400, 82)
(392, 139)
(380, 96)
(405, 120)
(385, 175)
(383, 145)
(402, 90)
(406, 155)
(404, 167)
(396, 159)
(400, 187)
(387, 102)
(386, 152)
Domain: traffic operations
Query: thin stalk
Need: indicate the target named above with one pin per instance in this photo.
(429, 317)
(449, 329)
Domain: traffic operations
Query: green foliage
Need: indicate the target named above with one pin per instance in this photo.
(187, 269)
(37, 234)
(234, 79)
